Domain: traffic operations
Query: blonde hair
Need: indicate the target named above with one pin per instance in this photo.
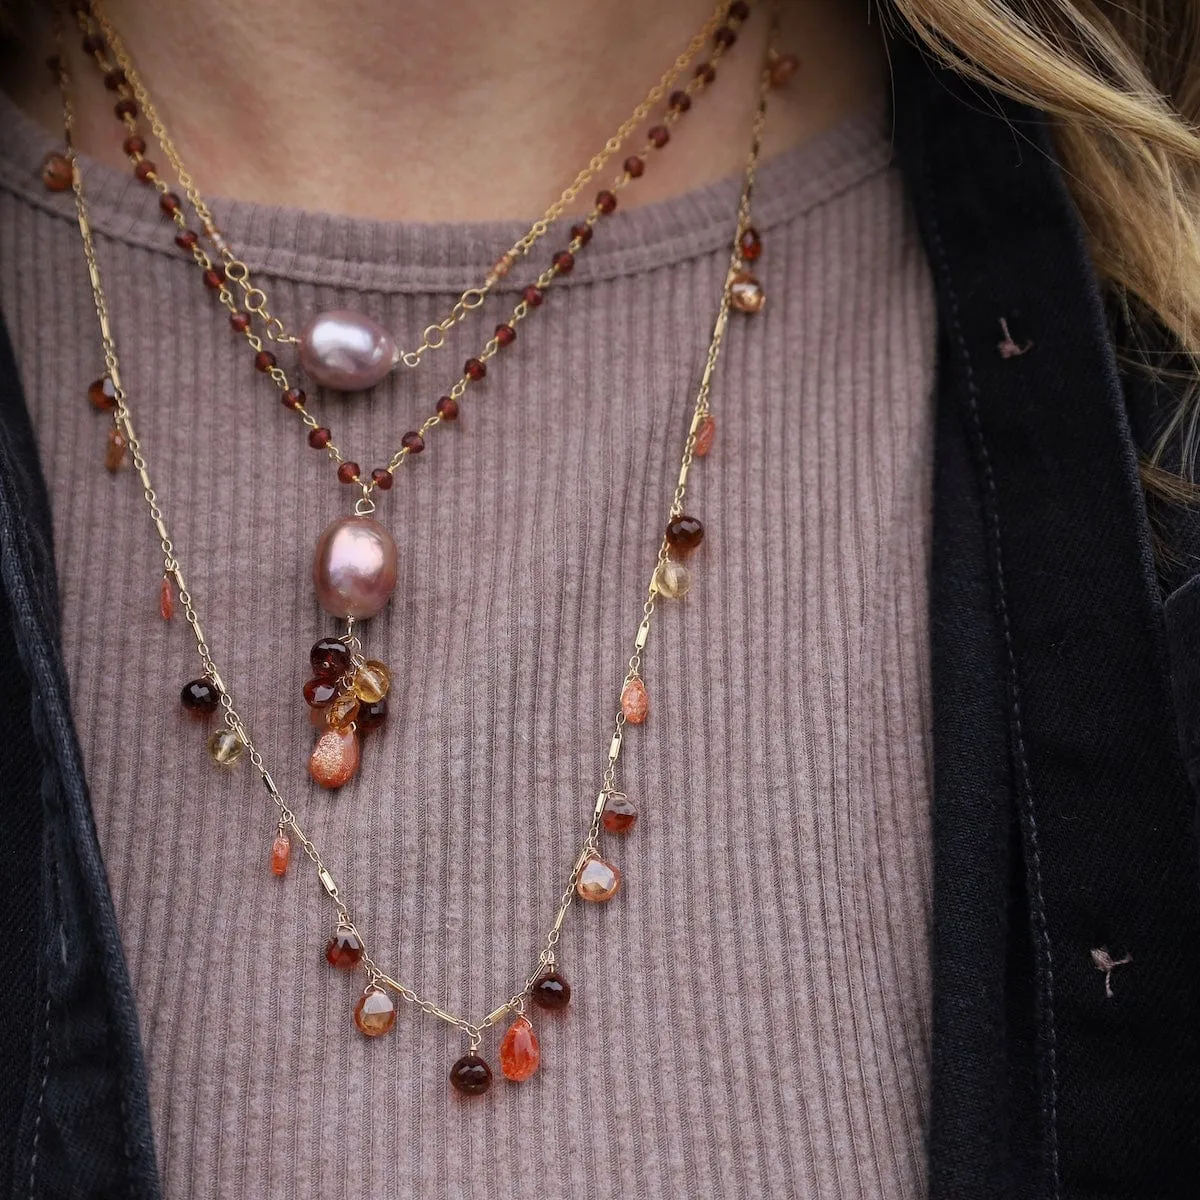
(1121, 81)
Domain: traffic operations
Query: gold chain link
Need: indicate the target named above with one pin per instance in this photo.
(172, 566)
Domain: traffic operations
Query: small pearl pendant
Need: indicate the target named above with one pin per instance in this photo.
(347, 351)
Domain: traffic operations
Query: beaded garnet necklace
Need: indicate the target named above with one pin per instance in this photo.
(593, 877)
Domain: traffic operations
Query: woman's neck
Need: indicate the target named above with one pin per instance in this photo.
(446, 109)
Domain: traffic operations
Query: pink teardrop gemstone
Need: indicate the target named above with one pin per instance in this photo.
(334, 759)
(519, 1051)
(635, 702)
(598, 881)
(705, 432)
(354, 567)
(346, 351)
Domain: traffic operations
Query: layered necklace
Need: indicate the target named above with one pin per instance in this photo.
(354, 567)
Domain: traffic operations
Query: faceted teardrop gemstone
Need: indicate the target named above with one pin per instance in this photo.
(330, 658)
(102, 395)
(319, 692)
(200, 697)
(334, 758)
(705, 432)
(471, 1075)
(344, 950)
(114, 450)
(551, 991)
(341, 711)
(166, 599)
(354, 568)
(371, 716)
(635, 701)
(673, 580)
(519, 1051)
(225, 747)
(375, 1012)
(684, 534)
(371, 682)
(281, 852)
(746, 293)
(598, 881)
(619, 814)
(346, 351)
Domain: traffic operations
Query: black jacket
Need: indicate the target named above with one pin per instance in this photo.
(1066, 679)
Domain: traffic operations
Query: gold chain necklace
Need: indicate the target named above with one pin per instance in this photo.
(592, 877)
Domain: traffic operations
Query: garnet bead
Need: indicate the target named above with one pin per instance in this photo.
(474, 369)
(659, 136)
(264, 360)
(240, 321)
(606, 202)
(684, 533)
(293, 398)
(330, 658)
(505, 335)
(56, 172)
(724, 37)
(200, 696)
(115, 79)
(679, 102)
(564, 261)
(532, 296)
(93, 43)
(635, 166)
(413, 442)
(382, 478)
(169, 202)
(471, 1075)
(348, 472)
(126, 107)
(581, 233)
(318, 439)
(103, 394)
(375, 1013)
(134, 145)
(447, 408)
(344, 950)
(320, 692)
(520, 1053)
(750, 244)
(739, 10)
(186, 240)
(144, 170)
(706, 72)
(371, 716)
(551, 991)
(620, 813)
(214, 278)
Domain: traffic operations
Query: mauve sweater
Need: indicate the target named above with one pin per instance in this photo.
(750, 1015)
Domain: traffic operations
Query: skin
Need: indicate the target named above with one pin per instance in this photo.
(385, 109)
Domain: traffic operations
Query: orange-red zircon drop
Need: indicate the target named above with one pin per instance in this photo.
(519, 1051)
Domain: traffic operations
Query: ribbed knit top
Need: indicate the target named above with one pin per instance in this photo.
(750, 1015)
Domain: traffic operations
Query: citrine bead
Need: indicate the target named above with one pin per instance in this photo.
(330, 658)
(344, 950)
(334, 759)
(705, 432)
(620, 813)
(684, 533)
(520, 1052)
(56, 172)
(166, 598)
(598, 880)
(375, 1012)
(341, 710)
(471, 1075)
(551, 991)
(746, 293)
(103, 394)
(200, 696)
(114, 450)
(371, 716)
(281, 852)
(319, 692)
(635, 701)
(225, 747)
(673, 580)
(372, 681)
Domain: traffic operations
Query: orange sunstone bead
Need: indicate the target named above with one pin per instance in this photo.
(519, 1051)
(598, 881)
(635, 702)
(281, 851)
(705, 432)
(166, 599)
(334, 759)
(375, 1012)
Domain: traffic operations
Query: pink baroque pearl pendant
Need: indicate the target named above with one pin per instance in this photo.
(354, 568)
(346, 351)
